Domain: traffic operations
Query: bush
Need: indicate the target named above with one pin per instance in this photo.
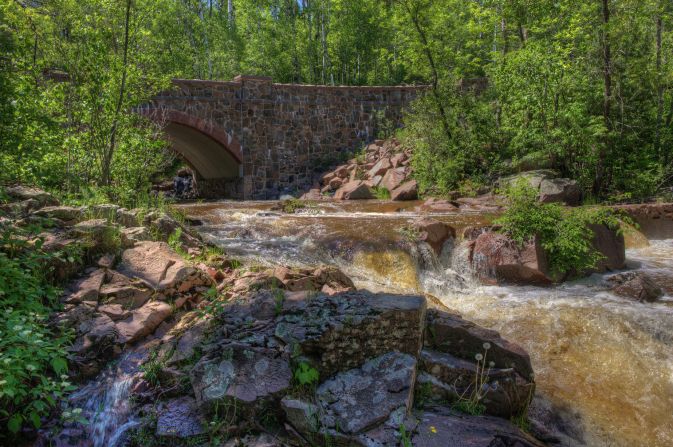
(33, 362)
(564, 233)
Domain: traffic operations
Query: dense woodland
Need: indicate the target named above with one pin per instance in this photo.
(585, 87)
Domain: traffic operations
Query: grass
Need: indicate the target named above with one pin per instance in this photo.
(471, 404)
(381, 193)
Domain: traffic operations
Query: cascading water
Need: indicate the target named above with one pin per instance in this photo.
(106, 402)
(604, 364)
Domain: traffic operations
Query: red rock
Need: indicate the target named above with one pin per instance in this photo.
(434, 232)
(335, 183)
(393, 178)
(436, 205)
(327, 177)
(636, 285)
(610, 244)
(380, 168)
(498, 259)
(143, 321)
(397, 159)
(341, 172)
(355, 190)
(406, 191)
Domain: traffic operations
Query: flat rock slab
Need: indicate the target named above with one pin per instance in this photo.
(243, 375)
(143, 321)
(154, 262)
(87, 288)
(362, 398)
(443, 428)
(179, 418)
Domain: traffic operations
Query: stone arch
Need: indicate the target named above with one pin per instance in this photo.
(212, 152)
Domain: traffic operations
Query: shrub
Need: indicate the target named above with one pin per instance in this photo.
(33, 362)
(381, 193)
(564, 233)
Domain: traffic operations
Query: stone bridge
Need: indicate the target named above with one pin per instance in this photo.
(253, 139)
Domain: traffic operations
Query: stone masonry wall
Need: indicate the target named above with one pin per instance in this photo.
(284, 131)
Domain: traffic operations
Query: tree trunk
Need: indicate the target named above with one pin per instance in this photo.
(607, 100)
(413, 15)
(107, 155)
(660, 90)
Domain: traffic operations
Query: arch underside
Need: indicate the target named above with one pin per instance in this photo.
(209, 157)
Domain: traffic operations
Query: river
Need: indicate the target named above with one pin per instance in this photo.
(604, 364)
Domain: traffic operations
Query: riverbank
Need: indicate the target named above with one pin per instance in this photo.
(174, 341)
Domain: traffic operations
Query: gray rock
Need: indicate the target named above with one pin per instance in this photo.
(560, 190)
(359, 399)
(303, 416)
(449, 333)
(179, 418)
(505, 393)
(635, 285)
(244, 377)
(132, 235)
(21, 192)
(441, 428)
(343, 331)
(68, 214)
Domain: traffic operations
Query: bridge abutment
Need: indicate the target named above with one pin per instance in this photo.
(281, 134)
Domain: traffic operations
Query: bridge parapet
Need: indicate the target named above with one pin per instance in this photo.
(282, 132)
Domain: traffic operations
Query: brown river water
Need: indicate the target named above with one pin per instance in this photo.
(604, 364)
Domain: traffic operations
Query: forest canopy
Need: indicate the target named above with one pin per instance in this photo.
(581, 86)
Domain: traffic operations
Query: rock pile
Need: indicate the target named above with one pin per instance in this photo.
(384, 165)
(108, 308)
(354, 368)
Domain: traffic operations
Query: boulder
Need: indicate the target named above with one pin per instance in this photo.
(243, 376)
(161, 268)
(41, 198)
(356, 400)
(550, 187)
(120, 289)
(335, 183)
(393, 178)
(398, 159)
(504, 392)
(498, 259)
(129, 218)
(68, 214)
(406, 191)
(441, 427)
(354, 190)
(380, 168)
(451, 334)
(131, 235)
(143, 321)
(610, 245)
(434, 232)
(560, 190)
(342, 332)
(86, 289)
(636, 285)
(180, 418)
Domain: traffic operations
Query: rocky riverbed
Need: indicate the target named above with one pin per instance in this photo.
(178, 343)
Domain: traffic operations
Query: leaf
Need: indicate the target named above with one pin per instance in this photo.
(35, 419)
(14, 423)
(60, 365)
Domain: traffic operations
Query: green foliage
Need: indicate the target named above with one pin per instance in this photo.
(174, 241)
(405, 436)
(278, 299)
(292, 205)
(381, 193)
(306, 375)
(152, 368)
(472, 402)
(564, 234)
(33, 366)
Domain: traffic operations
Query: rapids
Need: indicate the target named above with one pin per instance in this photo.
(604, 364)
